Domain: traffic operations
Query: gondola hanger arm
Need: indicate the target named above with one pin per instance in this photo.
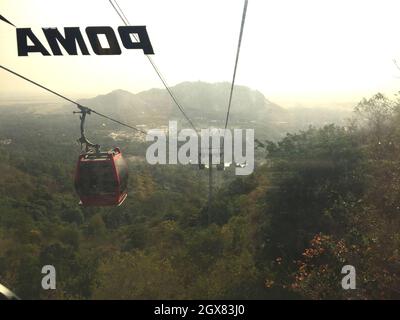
(83, 140)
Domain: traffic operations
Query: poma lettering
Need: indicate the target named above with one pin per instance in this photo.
(73, 38)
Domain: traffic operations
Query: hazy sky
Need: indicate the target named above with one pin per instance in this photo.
(294, 51)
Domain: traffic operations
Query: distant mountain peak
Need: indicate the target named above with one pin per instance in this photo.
(117, 93)
(120, 91)
(202, 101)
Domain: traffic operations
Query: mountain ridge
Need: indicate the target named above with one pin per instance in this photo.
(200, 100)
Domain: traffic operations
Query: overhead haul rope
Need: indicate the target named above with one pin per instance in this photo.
(125, 20)
(210, 180)
(90, 110)
(236, 62)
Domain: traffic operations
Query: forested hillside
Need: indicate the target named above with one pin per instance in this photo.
(324, 197)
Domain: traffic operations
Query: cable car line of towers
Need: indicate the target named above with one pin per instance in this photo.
(101, 178)
(220, 166)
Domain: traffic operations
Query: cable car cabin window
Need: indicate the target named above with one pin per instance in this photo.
(97, 178)
(122, 169)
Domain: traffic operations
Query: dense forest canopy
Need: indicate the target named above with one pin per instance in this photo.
(320, 198)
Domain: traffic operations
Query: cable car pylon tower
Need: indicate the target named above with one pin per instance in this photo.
(221, 165)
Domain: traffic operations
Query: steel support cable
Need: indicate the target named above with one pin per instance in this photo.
(70, 100)
(125, 20)
(236, 62)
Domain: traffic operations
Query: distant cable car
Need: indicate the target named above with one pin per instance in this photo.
(101, 178)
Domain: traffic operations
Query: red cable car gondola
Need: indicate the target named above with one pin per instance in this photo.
(101, 178)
